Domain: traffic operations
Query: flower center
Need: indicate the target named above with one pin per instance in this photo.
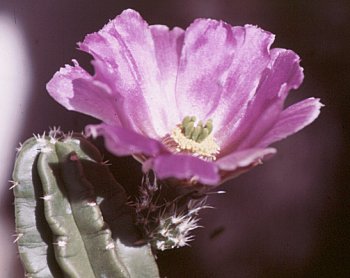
(193, 137)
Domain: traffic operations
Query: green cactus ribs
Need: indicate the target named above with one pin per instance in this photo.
(71, 213)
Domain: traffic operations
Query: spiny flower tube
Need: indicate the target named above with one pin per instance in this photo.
(200, 105)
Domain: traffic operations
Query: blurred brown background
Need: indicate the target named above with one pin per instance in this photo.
(287, 218)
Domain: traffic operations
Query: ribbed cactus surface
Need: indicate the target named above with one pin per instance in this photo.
(71, 215)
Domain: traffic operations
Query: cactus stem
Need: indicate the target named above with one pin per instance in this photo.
(46, 150)
(32, 229)
(59, 200)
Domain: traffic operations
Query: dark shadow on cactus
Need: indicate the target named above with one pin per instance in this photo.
(111, 198)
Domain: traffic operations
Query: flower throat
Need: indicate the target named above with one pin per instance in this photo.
(193, 138)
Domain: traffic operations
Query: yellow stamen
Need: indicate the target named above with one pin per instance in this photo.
(206, 149)
(194, 138)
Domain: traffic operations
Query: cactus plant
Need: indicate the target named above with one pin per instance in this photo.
(71, 215)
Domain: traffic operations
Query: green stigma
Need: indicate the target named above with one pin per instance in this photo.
(196, 132)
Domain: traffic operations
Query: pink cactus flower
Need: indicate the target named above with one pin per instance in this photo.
(200, 105)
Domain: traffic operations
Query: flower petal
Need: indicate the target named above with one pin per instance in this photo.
(292, 119)
(251, 57)
(240, 162)
(282, 74)
(126, 59)
(244, 158)
(220, 69)
(206, 55)
(76, 90)
(168, 46)
(183, 166)
(122, 142)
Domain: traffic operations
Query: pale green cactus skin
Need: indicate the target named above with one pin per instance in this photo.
(71, 215)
